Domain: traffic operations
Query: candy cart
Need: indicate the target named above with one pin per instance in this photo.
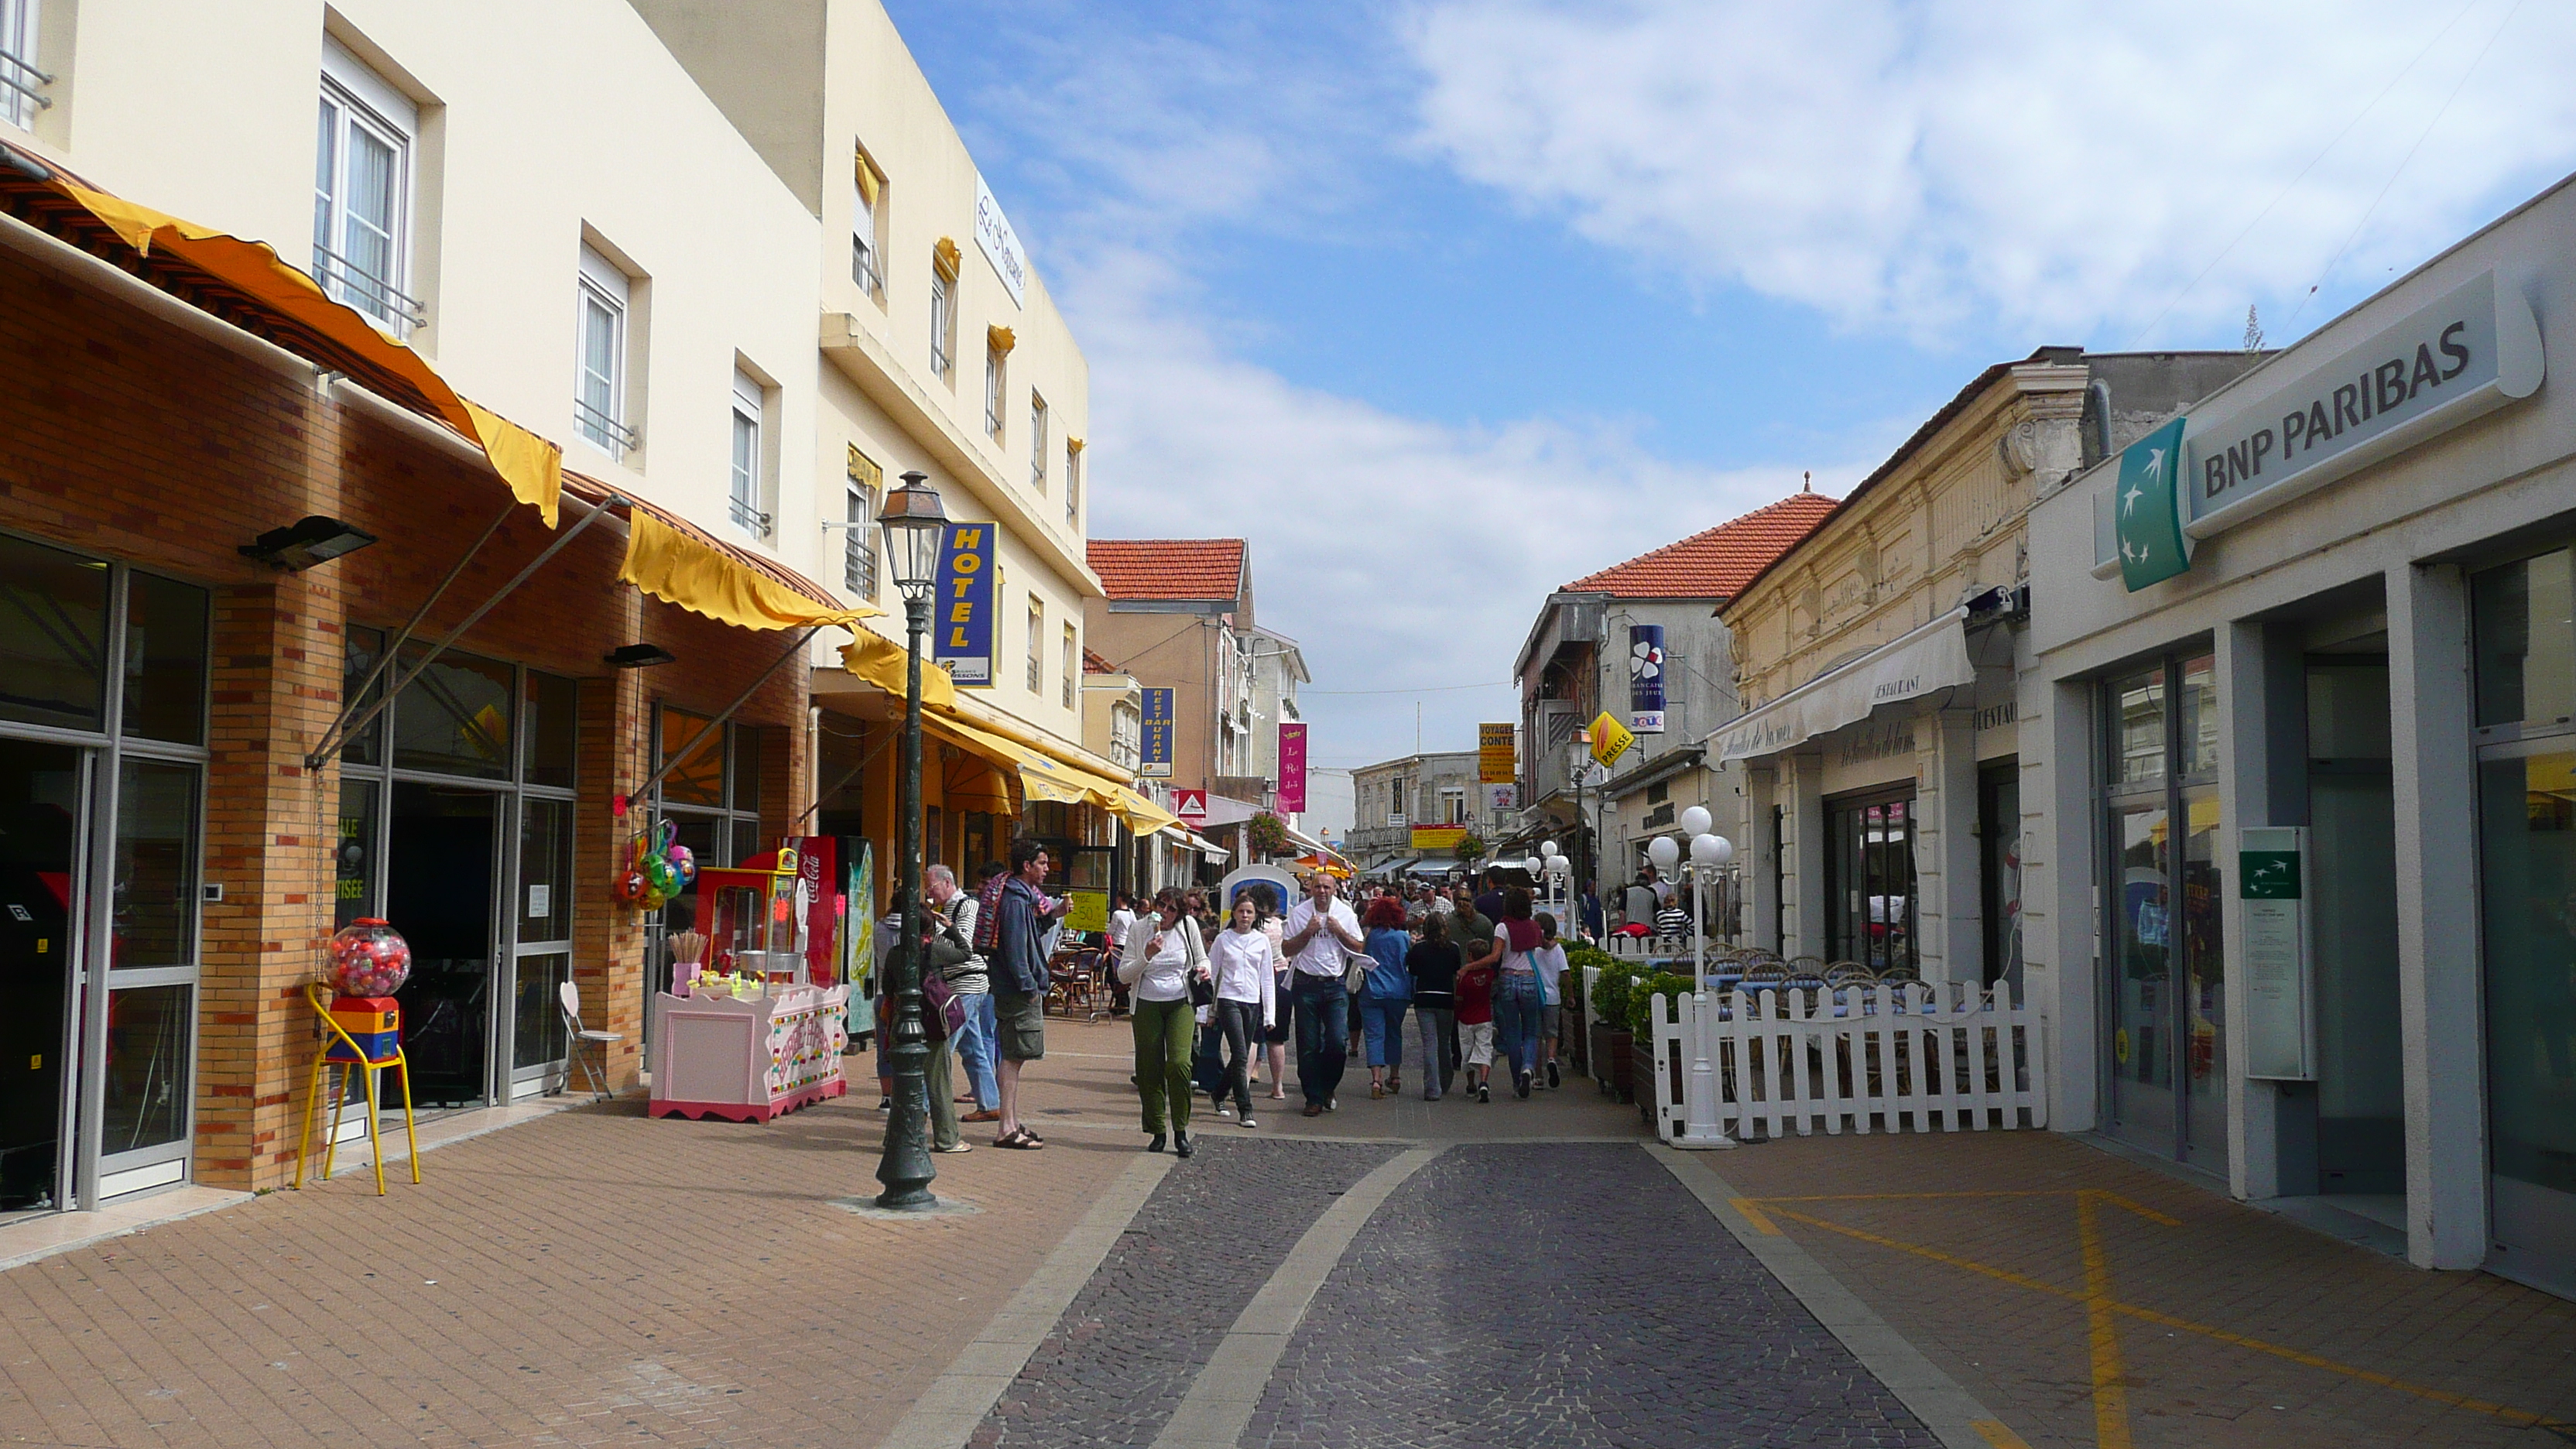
(755, 1028)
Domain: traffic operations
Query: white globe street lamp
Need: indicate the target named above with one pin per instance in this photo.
(1695, 821)
(1700, 1130)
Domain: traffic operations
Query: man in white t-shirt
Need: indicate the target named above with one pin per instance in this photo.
(1319, 929)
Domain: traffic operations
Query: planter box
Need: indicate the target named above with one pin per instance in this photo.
(1614, 1051)
(1642, 1072)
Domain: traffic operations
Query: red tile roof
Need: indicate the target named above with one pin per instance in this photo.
(1715, 563)
(1092, 663)
(1169, 568)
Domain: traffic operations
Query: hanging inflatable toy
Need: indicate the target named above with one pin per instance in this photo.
(684, 862)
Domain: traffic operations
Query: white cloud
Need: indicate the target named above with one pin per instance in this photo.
(2047, 168)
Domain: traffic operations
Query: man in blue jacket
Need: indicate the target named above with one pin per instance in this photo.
(1019, 971)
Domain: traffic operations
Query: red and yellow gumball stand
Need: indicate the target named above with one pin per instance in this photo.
(363, 1034)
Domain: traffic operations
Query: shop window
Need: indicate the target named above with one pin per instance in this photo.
(53, 636)
(2138, 713)
(698, 779)
(553, 708)
(455, 719)
(148, 1029)
(156, 865)
(362, 192)
(353, 851)
(2523, 618)
(1870, 903)
(362, 649)
(602, 295)
(165, 660)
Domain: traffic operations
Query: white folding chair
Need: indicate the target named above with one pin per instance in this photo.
(580, 1038)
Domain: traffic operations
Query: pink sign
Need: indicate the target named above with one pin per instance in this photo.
(1292, 768)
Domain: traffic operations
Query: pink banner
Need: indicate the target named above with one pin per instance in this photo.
(1292, 768)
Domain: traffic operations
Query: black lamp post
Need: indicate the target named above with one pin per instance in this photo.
(916, 527)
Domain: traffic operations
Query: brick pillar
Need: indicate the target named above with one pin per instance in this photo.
(608, 938)
(275, 687)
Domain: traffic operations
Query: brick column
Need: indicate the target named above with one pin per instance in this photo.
(275, 687)
(607, 937)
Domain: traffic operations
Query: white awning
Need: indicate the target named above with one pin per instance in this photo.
(1932, 657)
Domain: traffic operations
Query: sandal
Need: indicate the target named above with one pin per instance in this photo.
(1020, 1141)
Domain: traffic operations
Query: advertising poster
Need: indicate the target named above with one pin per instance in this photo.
(1646, 678)
(1497, 763)
(961, 621)
(859, 954)
(1089, 912)
(1292, 768)
(1154, 752)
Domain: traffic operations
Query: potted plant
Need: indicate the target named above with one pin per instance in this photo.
(1642, 1005)
(1612, 1043)
(1471, 847)
(1268, 835)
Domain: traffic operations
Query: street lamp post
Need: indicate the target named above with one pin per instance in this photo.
(1699, 1099)
(916, 526)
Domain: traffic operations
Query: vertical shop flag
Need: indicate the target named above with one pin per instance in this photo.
(2147, 509)
(961, 618)
(1154, 752)
(1496, 761)
(1646, 678)
(1292, 768)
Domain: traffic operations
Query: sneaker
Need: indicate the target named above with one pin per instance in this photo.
(1521, 1085)
(1332, 1104)
(1552, 1079)
(1156, 1145)
(1484, 1092)
(1181, 1144)
(1248, 1122)
(885, 1104)
(1225, 1109)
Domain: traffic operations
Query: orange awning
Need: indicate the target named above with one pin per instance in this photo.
(246, 284)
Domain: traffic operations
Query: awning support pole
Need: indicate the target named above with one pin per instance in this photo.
(715, 726)
(367, 716)
(393, 647)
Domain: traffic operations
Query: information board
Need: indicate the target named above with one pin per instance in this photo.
(2271, 887)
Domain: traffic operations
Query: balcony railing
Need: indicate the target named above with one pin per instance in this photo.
(369, 293)
(606, 431)
(752, 519)
(24, 81)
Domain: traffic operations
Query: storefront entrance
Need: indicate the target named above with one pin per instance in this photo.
(40, 787)
(1869, 881)
(2526, 694)
(2166, 986)
(2352, 835)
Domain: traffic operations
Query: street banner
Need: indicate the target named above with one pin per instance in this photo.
(1610, 739)
(1646, 678)
(1292, 768)
(1155, 750)
(1496, 762)
(962, 615)
(1437, 837)
(1191, 806)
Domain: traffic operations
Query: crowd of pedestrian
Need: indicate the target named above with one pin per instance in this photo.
(1214, 1003)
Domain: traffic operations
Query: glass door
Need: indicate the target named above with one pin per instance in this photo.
(41, 807)
(2527, 825)
(442, 857)
(2142, 1087)
(541, 954)
(1869, 881)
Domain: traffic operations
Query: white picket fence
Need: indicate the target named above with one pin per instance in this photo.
(1888, 1057)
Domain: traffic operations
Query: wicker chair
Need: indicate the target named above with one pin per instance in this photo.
(1849, 973)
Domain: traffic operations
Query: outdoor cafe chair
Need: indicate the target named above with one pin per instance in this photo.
(584, 1041)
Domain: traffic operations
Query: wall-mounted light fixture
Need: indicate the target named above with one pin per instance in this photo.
(638, 656)
(312, 539)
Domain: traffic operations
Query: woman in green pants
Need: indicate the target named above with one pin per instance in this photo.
(1164, 954)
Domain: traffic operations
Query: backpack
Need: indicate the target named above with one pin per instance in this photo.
(988, 915)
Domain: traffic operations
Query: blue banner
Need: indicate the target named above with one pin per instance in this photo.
(961, 621)
(1646, 663)
(1154, 754)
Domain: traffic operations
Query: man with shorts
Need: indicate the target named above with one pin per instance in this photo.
(1019, 973)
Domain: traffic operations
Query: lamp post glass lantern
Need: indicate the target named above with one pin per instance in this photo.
(916, 526)
(1699, 1098)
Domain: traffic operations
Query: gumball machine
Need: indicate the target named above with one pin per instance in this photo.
(365, 964)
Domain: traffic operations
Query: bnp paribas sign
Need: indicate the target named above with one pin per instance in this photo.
(2469, 352)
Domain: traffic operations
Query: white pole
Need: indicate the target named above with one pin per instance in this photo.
(1700, 1131)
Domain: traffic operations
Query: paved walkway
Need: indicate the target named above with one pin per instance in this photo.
(1394, 1274)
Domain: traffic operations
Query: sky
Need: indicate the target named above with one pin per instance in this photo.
(1444, 303)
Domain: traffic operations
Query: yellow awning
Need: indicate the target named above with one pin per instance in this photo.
(880, 661)
(1042, 776)
(531, 466)
(698, 576)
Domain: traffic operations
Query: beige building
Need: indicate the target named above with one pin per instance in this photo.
(1876, 799)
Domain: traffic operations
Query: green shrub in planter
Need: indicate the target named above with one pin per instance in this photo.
(1610, 993)
(1641, 999)
(1578, 956)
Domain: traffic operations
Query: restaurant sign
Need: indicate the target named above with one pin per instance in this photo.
(1154, 749)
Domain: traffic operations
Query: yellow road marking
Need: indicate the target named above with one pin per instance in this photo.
(2165, 1320)
(2102, 1330)
(1993, 1432)
(1753, 1215)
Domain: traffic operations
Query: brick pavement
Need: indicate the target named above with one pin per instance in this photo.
(2208, 1269)
(600, 1278)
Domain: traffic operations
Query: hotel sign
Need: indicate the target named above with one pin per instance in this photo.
(999, 244)
(962, 622)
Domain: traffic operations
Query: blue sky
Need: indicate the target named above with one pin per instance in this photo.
(1444, 303)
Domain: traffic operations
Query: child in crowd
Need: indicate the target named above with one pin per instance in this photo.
(1476, 1026)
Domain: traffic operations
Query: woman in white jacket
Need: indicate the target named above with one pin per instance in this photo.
(1162, 956)
(1247, 1001)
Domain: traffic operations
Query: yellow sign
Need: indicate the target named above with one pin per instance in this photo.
(1090, 911)
(1495, 761)
(1438, 837)
(1610, 739)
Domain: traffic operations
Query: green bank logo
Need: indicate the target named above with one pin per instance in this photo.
(2147, 509)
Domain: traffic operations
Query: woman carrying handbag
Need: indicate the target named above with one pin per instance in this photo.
(1164, 965)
